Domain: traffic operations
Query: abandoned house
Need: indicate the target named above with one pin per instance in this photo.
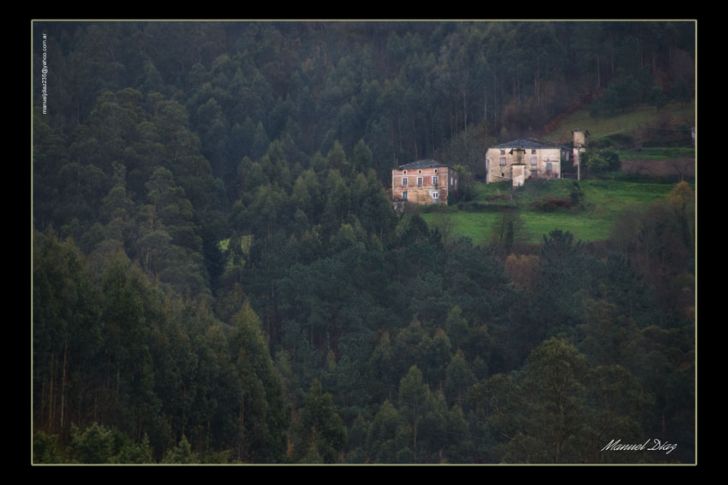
(423, 182)
(521, 159)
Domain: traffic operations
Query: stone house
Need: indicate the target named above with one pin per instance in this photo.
(525, 158)
(423, 182)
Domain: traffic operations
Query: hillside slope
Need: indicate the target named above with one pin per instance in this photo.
(604, 201)
(642, 126)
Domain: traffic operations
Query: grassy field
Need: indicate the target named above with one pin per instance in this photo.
(626, 123)
(478, 225)
(655, 153)
(604, 200)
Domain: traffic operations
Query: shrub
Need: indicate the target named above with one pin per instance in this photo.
(475, 206)
(46, 448)
(601, 161)
(98, 444)
(576, 195)
(550, 204)
(94, 444)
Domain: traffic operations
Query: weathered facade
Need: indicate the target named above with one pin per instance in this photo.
(423, 182)
(519, 160)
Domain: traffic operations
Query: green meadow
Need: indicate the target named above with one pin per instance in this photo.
(604, 201)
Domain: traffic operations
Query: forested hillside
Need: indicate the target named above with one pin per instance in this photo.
(219, 276)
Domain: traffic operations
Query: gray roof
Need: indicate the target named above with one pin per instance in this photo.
(527, 143)
(422, 164)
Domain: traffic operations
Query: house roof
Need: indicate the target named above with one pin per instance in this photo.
(422, 164)
(527, 143)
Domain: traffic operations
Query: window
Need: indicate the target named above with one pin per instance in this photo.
(404, 195)
(502, 161)
(419, 171)
(436, 195)
(503, 152)
(534, 161)
(404, 181)
(405, 172)
(549, 168)
(419, 181)
(533, 151)
(435, 179)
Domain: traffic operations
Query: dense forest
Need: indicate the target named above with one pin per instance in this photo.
(219, 275)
